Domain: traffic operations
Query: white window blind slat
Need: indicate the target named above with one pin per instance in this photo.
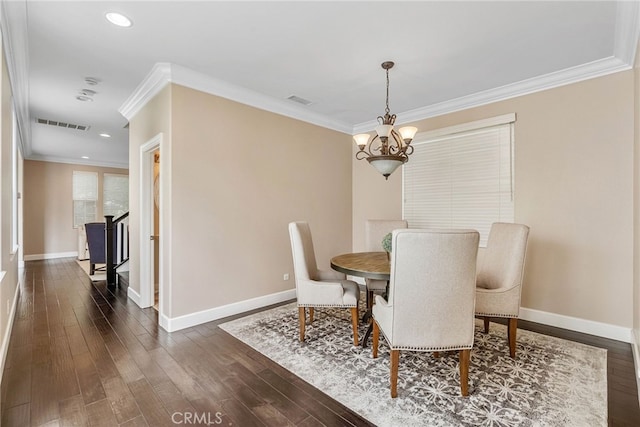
(115, 194)
(460, 181)
(85, 196)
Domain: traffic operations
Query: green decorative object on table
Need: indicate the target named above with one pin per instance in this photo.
(386, 243)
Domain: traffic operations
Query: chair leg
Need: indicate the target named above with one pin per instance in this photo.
(92, 269)
(486, 324)
(302, 316)
(376, 338)
(465, 355)
(369, 299)
(511, 332)
(436, 354)
(395, 360)
(311, 311)
(354, 324)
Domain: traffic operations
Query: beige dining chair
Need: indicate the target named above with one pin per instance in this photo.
(375, 230)
(499, 277)
(319, 288)
(430, 306)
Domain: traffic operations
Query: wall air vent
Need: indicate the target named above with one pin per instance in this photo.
(299, 100)
(62, 124)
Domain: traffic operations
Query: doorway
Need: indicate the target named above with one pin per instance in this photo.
(151, 245)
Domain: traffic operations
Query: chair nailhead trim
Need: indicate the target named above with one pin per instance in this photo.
(327, 305)
(506, 316)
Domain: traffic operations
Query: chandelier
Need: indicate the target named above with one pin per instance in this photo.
(389, 148)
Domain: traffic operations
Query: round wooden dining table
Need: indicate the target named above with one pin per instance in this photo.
(370, 265)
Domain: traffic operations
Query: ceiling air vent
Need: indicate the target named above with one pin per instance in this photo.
(299, 100)
(62, 124)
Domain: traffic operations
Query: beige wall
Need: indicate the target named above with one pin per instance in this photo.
(153, 119)
(8, 254)
(239, 175)
(636, 205)
(574, 175)
(48, 205)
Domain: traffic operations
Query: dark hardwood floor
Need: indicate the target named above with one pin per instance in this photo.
(83, 354)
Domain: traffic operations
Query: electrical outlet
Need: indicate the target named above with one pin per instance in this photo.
(285, 276)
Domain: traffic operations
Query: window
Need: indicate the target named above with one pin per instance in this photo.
(461, 177)
(115, 194)
(85, 197)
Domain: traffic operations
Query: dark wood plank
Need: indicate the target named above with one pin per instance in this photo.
(99, 414)
(72, 412)
(150, 405)
(88, 378)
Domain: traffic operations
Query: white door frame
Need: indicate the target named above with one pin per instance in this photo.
(146, 225)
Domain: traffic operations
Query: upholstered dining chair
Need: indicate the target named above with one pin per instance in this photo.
(430, 306)
(499, 277)
(319, 288)
(375, 230)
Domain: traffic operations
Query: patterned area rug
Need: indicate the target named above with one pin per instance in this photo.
(553, 382)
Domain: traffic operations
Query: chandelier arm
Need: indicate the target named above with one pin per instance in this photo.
(361, 155)
(399, 146)
(368, 150)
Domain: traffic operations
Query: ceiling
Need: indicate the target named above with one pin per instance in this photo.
(448, 55)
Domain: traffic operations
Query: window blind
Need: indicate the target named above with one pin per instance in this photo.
(85, 196)
(115, 194)
(461, 180)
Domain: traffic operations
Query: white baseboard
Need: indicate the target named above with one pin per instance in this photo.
(7, 332)
(197, 318)
(604, 330)
(134, 296)
(37, 257)
(635, 345)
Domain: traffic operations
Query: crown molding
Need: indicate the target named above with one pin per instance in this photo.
(548, 81)
(164, 73)
(15, 40)
(627, 31)
(154, 82)
(71, 161)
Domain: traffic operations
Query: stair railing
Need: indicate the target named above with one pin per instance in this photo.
(117, 238)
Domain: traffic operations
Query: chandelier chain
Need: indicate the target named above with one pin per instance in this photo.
(386, 110)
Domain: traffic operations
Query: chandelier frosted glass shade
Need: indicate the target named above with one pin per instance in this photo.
(389, 148)
(386, 165)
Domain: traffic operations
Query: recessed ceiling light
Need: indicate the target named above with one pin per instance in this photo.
(105, 135)
(118, 19)
(85, 157)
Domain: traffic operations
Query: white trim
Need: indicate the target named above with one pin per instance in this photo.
(37, 257)
(163, 73)
(599, 329)
(199, 317)
(635, 346)
(151, 85)
(15, 39)
(145, 224)
(567, 76)
(134, 296)
(627, 30)
(7, 331)
(465, 127)
(71, 161)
